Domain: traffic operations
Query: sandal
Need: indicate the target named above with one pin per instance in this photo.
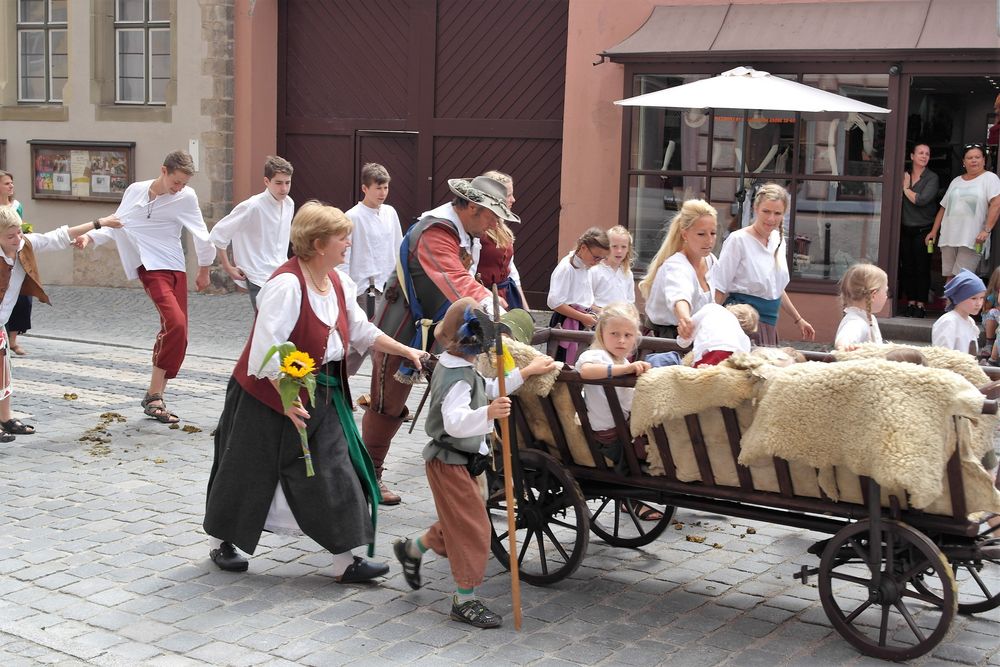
(6, 437)
(647, 513)
(17, 427)
(158, 412)
(411, 565)
(475, 613)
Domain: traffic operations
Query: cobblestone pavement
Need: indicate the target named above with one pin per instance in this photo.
(103, 561)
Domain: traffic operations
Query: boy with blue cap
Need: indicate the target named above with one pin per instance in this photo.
(956, 329)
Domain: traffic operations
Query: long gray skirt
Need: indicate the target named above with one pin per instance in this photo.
(255, 448)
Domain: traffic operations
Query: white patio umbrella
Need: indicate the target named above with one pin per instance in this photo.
(749, 89)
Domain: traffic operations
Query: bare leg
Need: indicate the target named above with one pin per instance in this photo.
(158, 381)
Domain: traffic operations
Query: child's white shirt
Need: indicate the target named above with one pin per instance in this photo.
(375, 243)
(955, 331)
(570, 284)
(611, 285)
(598, 410)
(715, 329)
(676, 280)
(854, 329)
(460, 420)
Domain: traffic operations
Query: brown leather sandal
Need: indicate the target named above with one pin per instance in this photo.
(158, 412)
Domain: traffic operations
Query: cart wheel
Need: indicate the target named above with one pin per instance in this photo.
(552, 520)
(874, 603)
(616, 520)
(977, 580)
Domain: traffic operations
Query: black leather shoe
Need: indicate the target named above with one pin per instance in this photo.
(228, 558)
(362, 570)
(919, 312)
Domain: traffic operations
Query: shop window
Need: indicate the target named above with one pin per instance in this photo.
(42, 51)
(142, 51)
(832, 164)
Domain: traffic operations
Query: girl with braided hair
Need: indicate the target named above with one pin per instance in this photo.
(864, 289)
(752, 267)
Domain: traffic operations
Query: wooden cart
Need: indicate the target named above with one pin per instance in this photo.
(890, 578)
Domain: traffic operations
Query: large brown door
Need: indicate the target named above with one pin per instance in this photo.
(432, 89)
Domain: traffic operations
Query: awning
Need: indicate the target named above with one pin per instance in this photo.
(880, 25)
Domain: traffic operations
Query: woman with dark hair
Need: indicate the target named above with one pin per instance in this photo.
(969, 211)
(920, 188)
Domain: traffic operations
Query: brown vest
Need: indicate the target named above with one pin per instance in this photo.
(32, 285)
(310, 335)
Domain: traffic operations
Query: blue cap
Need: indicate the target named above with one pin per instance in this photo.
(964, 285)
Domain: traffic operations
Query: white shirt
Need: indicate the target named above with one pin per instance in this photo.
(676, 280)
(258, 229)
(855, 329)
(965, 204)
(748, 267)
(570, 284)
(151, 232)
(716, 330)
(460, 420)
(598, 410)
(374, 245)
(57, 239)
(278, 306)
(611, 285)
(955, 331)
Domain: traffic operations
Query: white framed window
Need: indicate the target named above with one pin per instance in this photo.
(142, 51)
(42, 51)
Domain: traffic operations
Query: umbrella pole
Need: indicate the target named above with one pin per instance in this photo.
(741, 191)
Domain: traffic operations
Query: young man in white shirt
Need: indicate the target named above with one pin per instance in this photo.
(154, 214)
(375, 241)
(258, 229)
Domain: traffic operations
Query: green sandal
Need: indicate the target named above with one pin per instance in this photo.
(158, 412)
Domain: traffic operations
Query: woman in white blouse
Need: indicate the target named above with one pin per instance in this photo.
(259, 479)
(678, 280)
(753, 269)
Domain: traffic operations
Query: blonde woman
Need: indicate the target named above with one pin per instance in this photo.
(677, 282)
(752, 267)
(20, 318)
(493, 254)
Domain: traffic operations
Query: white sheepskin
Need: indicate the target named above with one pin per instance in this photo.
(894, 422)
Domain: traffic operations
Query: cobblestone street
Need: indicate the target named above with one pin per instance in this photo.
(103, 560)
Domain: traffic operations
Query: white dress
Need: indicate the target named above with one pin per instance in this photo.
(612, 285)
(856, 329)
(570, 284)
(956, 332)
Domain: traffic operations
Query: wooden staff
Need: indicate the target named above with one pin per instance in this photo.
(508, 478)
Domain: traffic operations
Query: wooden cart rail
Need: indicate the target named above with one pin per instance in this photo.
(905, 561)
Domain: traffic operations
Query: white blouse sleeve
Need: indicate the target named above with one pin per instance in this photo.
(726, 268)
(278, 304)
(362, 332)
(678, 284)
(559, 285)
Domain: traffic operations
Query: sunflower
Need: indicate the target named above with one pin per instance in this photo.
(297, 364)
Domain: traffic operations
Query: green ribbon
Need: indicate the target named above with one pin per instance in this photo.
(360, 458)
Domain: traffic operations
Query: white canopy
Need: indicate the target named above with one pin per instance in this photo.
(747, 88)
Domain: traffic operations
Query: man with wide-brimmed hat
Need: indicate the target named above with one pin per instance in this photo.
(434, 272)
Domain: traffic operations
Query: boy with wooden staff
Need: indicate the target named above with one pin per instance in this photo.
(459, 418)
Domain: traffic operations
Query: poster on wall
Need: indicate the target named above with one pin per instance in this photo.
(81, 170)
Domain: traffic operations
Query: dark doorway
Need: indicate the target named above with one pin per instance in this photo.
(946, 113)
(434, 89)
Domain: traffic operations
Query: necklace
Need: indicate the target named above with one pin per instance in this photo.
(762, 238)
(149, 206)
(312, 278)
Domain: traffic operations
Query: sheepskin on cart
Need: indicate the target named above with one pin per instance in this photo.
(884, 456)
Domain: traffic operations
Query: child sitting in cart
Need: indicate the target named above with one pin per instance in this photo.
(956, 329)
(864, 289)
(459, 418)
(615, 340)
(719, 332)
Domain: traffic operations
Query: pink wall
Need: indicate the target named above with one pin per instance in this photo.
(255, 126)
(592, 132)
